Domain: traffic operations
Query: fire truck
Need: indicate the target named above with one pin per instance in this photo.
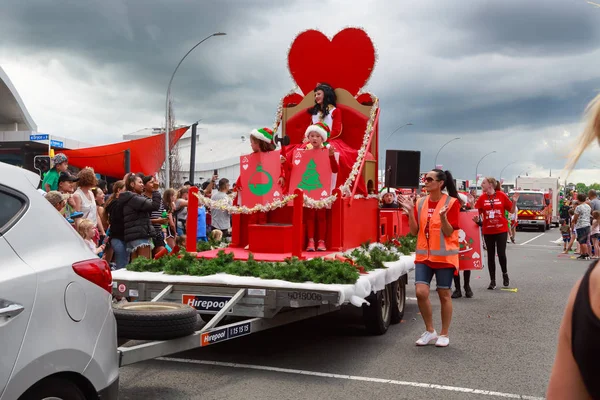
(538, 202)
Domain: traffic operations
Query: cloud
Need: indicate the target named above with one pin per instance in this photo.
(504, 76)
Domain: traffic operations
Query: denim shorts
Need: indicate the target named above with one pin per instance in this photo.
(443, 276)
(136, 244)
(583, 234)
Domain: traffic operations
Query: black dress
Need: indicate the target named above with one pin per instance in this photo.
(585, 329)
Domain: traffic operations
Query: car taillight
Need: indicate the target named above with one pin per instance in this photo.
(96, 271)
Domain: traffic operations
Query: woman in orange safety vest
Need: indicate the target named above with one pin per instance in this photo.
(435, 220)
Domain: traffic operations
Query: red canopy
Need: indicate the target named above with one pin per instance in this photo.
(146, 155)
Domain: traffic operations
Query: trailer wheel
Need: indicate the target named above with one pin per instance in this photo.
(398, 300)
(377, 316)
(147, 320)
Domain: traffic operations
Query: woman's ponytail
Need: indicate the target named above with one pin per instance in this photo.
(450, 186)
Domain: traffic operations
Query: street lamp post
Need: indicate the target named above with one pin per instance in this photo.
(385, 141)
(477, 167)
(500, 177)
(388, 138)
(444, 145)
(167, 127)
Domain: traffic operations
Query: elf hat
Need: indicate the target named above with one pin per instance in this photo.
(320, 128)
(264, 134)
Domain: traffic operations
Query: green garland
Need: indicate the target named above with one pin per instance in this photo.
(317, 270)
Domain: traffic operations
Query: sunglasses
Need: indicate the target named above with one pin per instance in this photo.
(430, 179)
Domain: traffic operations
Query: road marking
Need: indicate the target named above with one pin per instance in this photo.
(531, 240)
(544, 245)
(411, 298)
(353, 378)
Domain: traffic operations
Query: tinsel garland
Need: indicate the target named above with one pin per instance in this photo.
(370, 196)
(279, 113)
(345, 188)
(224, 205)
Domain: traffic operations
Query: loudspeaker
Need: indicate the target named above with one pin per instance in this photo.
(402, 168)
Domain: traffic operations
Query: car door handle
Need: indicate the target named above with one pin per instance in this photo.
(10, 311)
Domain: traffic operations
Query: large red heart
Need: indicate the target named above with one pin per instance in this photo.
(344, 62)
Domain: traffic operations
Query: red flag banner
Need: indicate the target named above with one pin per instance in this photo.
(146, 155)
(470, 253)
(259, 176)
(311, 172)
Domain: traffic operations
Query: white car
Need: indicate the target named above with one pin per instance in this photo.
(57, 329)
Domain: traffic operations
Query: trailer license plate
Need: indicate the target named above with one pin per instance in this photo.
(220, 335)
(307, 296)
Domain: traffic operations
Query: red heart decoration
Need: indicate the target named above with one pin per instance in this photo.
(345, 62)
(292, 99)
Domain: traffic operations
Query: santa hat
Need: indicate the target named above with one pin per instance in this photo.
(264, 134)
(320, 128)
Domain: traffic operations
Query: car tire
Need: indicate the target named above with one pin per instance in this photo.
(398, 300)
(145, 320)
(377, 315)
(54, 388)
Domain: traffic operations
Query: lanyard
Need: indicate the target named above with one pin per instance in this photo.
(492, 201)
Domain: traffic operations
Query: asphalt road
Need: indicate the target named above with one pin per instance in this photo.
(502, 344)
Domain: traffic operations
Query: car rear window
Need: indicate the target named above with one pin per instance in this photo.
(12, 206)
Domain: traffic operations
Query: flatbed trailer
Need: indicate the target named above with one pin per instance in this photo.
(256, 305)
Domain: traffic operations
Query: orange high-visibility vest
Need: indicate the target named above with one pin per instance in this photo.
(436, 247)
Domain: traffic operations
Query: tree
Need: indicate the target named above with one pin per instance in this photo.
(310, 178)
(175, 173)
(581, 188)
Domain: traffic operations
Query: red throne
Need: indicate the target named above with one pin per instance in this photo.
(350, 221)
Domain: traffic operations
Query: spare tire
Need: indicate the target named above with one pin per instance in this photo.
(145, 320)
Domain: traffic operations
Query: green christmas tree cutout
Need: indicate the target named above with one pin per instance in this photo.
(310, 178)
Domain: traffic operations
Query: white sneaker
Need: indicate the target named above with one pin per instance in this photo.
(442, 341)
(426, 338)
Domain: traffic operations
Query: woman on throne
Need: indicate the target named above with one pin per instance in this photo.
(325, 111)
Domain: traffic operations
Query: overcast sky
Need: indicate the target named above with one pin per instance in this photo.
(512, 76)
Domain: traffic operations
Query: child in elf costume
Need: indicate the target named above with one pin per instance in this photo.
(316, 140)
(261, 141)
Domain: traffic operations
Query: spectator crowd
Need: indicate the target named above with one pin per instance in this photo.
(132, 218)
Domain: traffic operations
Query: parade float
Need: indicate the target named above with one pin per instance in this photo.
(263, 276)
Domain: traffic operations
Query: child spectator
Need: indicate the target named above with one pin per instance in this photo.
(180, 213)
(389, 200)
(573, 232)
(595, 234)
(87, 232)
(565, 230)
(169, 228)
(581, 220)
(60, 164)
(317, 135)
(220, 219)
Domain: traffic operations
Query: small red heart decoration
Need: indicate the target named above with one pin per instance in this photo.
(346, 61)
(292, 100)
